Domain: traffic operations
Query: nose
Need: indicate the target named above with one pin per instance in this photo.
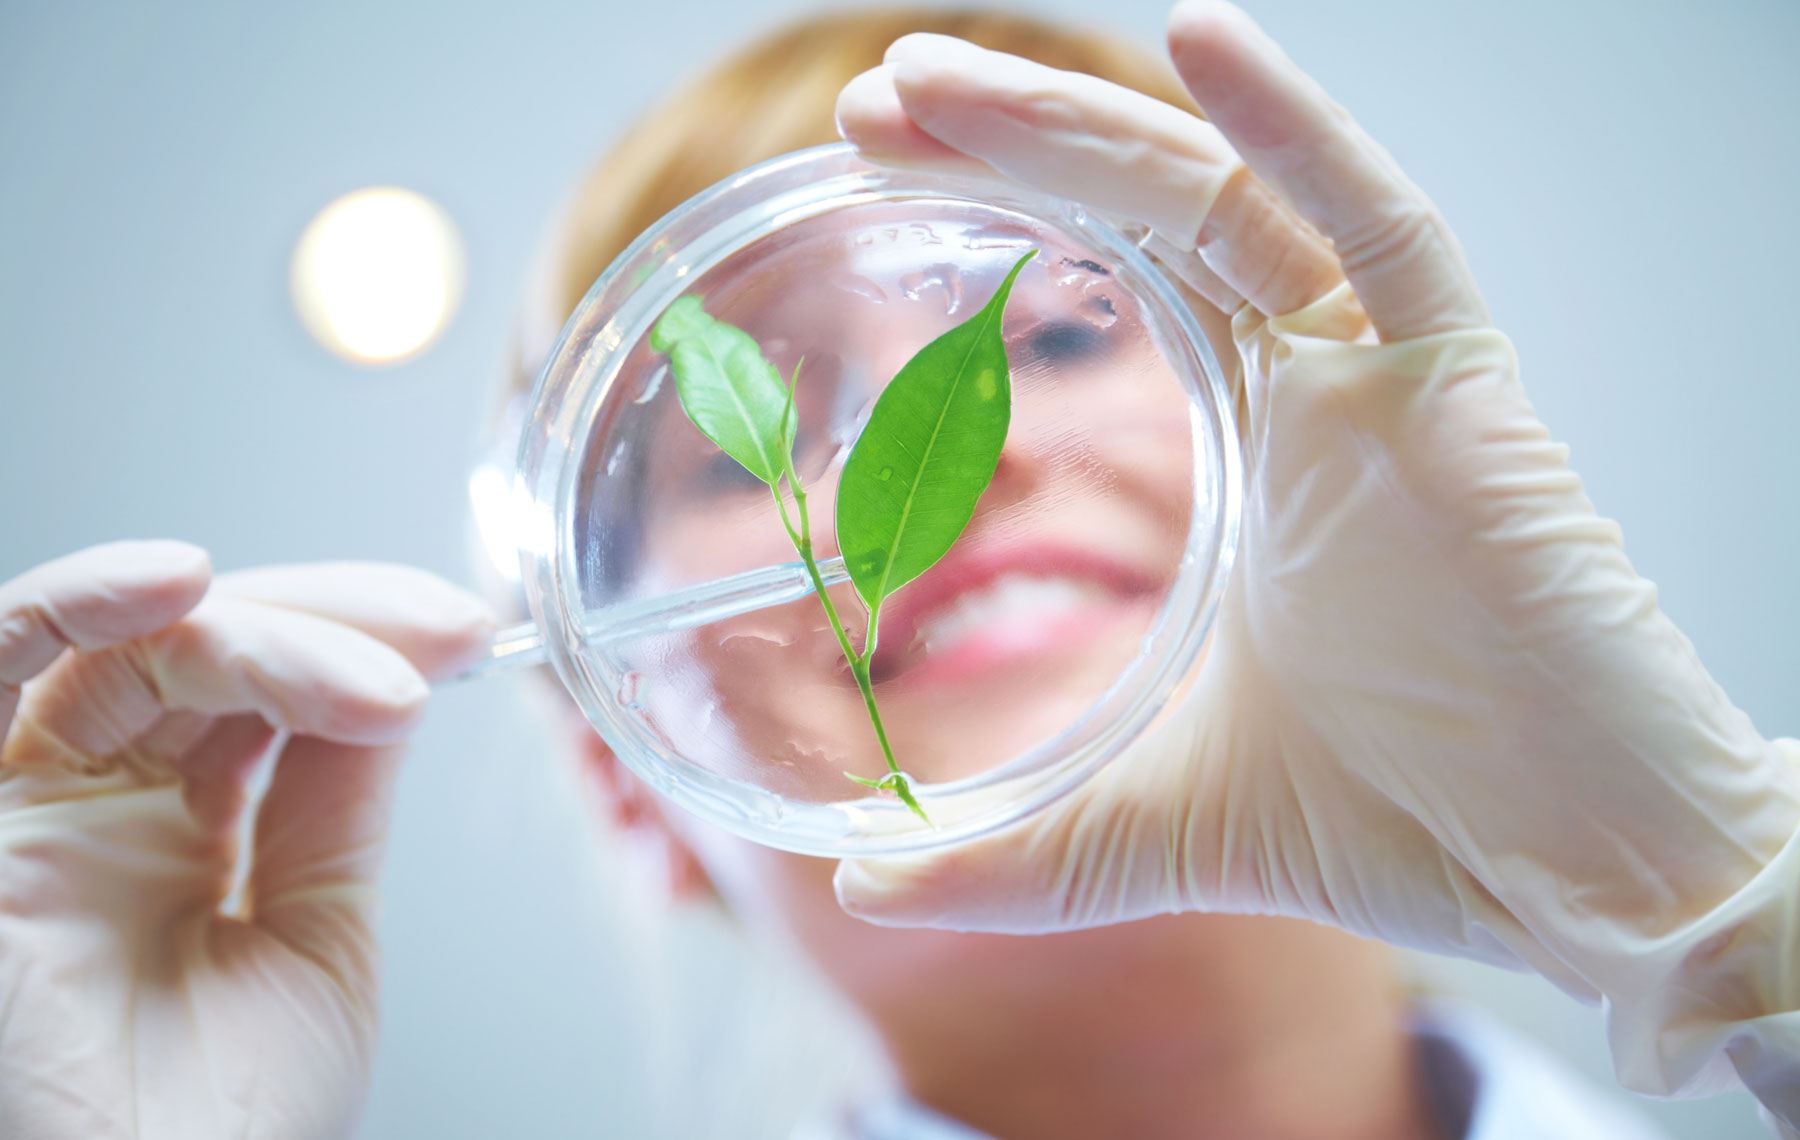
(1023, 469)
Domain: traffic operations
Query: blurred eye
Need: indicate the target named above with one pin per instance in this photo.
(1064, 342)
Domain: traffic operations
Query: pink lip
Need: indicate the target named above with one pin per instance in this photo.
(965, 572)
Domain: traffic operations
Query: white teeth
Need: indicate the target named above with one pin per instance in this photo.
(1010, 597)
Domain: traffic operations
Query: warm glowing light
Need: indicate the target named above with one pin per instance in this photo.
(378, 273)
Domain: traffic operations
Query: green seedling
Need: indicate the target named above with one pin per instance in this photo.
(912, 478)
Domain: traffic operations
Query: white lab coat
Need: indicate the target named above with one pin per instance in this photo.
(1483, 1078)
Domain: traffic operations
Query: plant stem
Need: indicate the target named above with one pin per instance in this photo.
(859, 667)
(859, 662)
(802, 541)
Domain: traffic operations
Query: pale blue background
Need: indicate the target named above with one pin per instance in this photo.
(1622, 173)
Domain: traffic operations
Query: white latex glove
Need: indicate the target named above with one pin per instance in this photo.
(1439, 707)
(130, 1006)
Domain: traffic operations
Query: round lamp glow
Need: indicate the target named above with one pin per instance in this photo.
(377, 274)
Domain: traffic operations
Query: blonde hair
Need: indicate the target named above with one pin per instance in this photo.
(773, 96)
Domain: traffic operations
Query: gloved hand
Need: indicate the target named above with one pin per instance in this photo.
(130, 1005)
(1438, 708)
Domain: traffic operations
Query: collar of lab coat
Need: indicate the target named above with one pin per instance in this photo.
(1484, 1082)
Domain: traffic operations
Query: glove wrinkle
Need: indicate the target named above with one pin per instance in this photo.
(34, 615)
(1553, 590)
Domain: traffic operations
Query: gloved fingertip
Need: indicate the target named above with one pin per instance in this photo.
(877, 891)
(441, 603)
(164, 574)
(116, 591)
(1224, 57)
(386, 714)
(1193, 20)
(465, 632)
(167, 557)
(864, 103)
(922, 45)
(372, 696)
(407, 693)
(437, 625)
(872, 118)
(858, 891)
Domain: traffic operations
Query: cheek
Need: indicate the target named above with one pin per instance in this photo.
(1135, 418)
(700, 540)
(1109, 451)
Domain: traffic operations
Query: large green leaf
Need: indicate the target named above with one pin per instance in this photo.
(730, 391)
(927, 453)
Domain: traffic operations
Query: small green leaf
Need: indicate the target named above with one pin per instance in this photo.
(728, 389)
(895, 782)
(929, 450)
(685, 317)
(904, 790)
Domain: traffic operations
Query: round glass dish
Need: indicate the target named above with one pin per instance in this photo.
(1050, 637)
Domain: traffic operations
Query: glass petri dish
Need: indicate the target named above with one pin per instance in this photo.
(1064, 620)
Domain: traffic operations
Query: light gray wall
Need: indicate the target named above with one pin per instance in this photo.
(1622, 172)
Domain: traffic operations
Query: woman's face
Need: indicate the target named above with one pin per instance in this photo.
(1032, 615)
(1038, 606)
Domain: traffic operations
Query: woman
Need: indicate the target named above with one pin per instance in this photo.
(139, 1011)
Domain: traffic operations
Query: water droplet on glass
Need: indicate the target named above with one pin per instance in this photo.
(628, 690)
(651, 385)
(925, 234)
(942, 276)
(1080, 271)
(1099, 312)
(995, 237)
(772, 636)
(859, 285)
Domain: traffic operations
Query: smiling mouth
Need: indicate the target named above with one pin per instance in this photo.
(968, 617)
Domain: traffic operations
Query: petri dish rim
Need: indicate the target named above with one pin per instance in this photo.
(579, 376)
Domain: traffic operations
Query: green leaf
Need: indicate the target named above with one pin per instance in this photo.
(911, 481)
(685, 316)
(727, 387)
(929, 450)
(896, 782)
